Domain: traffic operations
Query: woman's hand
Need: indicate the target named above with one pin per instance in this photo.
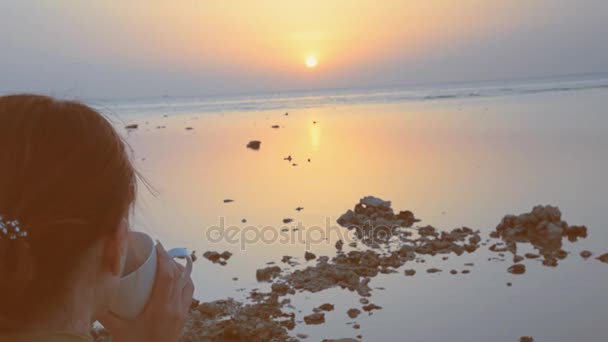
(165, 313)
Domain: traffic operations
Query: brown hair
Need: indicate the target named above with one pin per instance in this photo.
(66, 177)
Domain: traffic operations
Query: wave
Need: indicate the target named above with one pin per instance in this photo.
(267, 102)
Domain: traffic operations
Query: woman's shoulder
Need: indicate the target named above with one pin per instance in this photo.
(58, 336)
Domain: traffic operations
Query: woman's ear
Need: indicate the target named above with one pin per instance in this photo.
(115, 249)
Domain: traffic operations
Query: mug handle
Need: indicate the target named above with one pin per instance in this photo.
(182, 253)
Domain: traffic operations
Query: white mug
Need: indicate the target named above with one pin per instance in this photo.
(137, 282)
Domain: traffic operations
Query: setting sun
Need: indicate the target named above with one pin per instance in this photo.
(311, 61)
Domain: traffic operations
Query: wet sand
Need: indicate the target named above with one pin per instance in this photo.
(453, 163)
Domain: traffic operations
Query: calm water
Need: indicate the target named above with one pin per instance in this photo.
(453, 160)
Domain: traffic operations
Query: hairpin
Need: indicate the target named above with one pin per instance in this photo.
(11, 230)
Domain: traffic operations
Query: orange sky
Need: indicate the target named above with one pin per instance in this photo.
(154, 47)
(277, 35)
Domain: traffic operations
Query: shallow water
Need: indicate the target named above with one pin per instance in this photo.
(460, 162)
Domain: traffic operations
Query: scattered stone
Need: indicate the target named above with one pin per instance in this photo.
(543, 228)
(453, 272)
(266, 274)
(353, 313)
(370, 307)
(433, 270)
(509, 284)
(225, 255)
(309, 256)
(302, 336)
(212, 256)
(280, 288)
(286, 259)
(531, 255)
(286, 114)
(299, 208)
(189, 128)
(339, 245)
(275, 126)
(410, 272)
(526, 339)
(287, 220)
(229, 320)
(469, 264)
(193, 256)
(517, 269)
(364, 301)
(340, 340)
(288, 158)
(375, 223)
(603, 258)
(254, 144)
(356, 326)
(326, 307)
(228, 200)
(586, 254)
(465, 271)
(376, 202)
(131, 126)
(315, 318)
(517, 258)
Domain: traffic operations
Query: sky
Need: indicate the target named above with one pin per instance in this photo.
(148, 48)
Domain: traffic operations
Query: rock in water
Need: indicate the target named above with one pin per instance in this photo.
(410, 272)
(370, 307)
(309, 256)
(543, 228)
(586, 254)
(226, 255)
(132, 126)
(286, 259)
(375, 202)
(517, 269)
(265, 274)
(280, 288)
(327, 307)
(353, 313)
(315, 318)
(526, 339)
(212, 256)
(339, 245)
(603, 258)
(254, 144)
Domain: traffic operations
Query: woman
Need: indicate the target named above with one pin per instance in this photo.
(66, 188)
